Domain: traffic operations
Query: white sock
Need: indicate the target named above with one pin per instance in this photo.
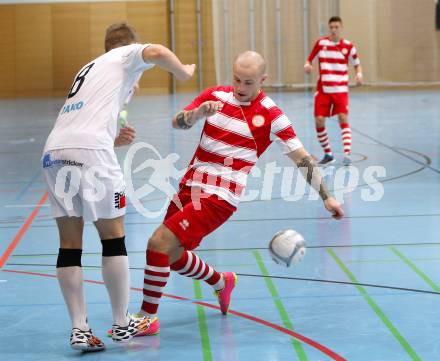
(71, 284)
(116, 276)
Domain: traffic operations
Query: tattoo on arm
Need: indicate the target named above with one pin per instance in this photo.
(182, 120)
(312, 175)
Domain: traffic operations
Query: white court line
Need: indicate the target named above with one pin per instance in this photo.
(22, 141)
(24, 205)
(3, 281)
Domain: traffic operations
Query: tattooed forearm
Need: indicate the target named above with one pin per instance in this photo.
(182, 120)
(312, 175)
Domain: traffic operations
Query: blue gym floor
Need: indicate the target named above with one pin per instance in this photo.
(367, 290)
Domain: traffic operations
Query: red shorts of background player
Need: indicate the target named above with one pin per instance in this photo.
(191, 223)
(329, 104)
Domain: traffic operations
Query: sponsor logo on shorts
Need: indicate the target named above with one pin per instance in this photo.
(184, 224)
(47, 162)
(119, 200)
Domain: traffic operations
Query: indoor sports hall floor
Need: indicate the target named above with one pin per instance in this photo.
(367, 290)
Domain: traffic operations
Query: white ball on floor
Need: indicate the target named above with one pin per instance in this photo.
(287, 247)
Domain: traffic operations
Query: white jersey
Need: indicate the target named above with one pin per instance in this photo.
(89, 116)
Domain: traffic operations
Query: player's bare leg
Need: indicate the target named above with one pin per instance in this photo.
(70, 278)
(323, 139)
(346, 138)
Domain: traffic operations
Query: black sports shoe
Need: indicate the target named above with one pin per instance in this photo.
(347, 160)
(327, 159)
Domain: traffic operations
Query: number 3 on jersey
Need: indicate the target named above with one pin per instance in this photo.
(77, 84)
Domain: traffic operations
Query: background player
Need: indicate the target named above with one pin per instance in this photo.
(331, 96)
(241, 122)
(83, 139)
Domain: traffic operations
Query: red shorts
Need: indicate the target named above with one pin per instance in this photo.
(327, 105)
(195, 220)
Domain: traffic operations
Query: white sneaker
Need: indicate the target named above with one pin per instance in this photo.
(85, 341)
(126, 333)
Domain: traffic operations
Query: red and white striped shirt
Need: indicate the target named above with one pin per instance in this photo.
(333, 64)
(232, 141)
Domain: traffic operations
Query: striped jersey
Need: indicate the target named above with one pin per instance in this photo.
(232, 141)
(333, 64)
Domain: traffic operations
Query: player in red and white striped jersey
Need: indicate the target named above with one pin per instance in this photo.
(240, 123)
(331, 97)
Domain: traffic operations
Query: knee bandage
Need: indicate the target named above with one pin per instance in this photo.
(68, 257)
(113, 247)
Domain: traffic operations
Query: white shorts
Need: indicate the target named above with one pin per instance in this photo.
(84, 183)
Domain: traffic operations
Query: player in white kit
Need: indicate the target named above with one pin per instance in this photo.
(85, 181)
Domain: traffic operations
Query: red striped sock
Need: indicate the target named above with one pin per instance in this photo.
(323, 140)
(190, 265)
(346, 137)
(156, 274)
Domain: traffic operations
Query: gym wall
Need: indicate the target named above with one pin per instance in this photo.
(397, 40)
(43, 44)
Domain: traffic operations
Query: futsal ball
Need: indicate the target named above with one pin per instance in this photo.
(287, 247)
